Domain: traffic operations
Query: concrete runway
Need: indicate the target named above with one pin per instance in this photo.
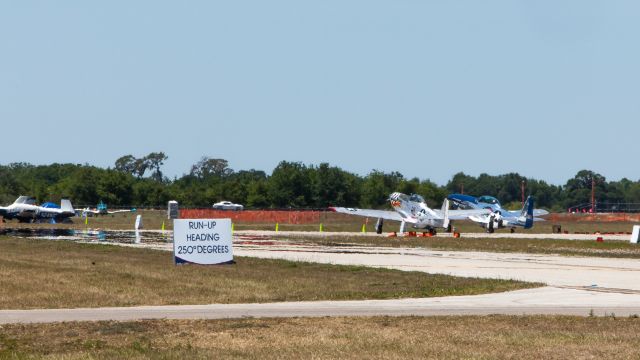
(576, 286)
(540, 301)
(566, 271)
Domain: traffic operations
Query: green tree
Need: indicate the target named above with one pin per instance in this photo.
(154, 161)
(377, 186)
(207, 167)
(332, 186)
(126, 164)
(578, 189)
(289, 185)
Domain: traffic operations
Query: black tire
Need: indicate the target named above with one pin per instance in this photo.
(490, 229)
(379, 225)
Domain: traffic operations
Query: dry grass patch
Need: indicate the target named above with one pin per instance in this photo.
(58, 274)
(491, 337)
(617, 249)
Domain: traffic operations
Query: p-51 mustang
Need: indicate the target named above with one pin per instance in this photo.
(25, 210)
(101, 209)
(498, 218)
(412, 209)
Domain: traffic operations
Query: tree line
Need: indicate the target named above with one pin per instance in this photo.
(140, 182)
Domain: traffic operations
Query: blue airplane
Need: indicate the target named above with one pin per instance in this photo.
(499, 218)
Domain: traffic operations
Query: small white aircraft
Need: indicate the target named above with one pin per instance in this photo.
(101, 209)
(412, 209)
(25, 210)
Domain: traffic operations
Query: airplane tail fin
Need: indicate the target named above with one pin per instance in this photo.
(445, 212)
(66, 206)
(527, 212)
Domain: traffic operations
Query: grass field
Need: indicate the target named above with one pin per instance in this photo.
(617, 249)
(488, 337)
(57, 274)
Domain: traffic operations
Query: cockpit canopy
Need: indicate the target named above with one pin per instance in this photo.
(25, 200)
(50, 205)
(488, 200)
(416, 198)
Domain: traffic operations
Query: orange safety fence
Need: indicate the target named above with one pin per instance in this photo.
(254, 216)
(613, 217)
(297, 217)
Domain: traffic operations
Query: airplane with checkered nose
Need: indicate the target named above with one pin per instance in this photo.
(413, 210)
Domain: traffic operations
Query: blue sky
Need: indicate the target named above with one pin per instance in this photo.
(427, 88)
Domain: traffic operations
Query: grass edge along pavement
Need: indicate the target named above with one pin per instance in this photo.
(612, 249)
(496, 336)
(62, 274)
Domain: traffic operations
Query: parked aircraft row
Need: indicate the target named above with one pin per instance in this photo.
(413, 210)
(25, 209)
(408, 209)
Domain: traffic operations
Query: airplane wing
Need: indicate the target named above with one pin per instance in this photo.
(118, 211)
(540, 212)
(516, 213)
(479, 219)
(85, 211)
(466, 214)
(384, 214)
(485, 219)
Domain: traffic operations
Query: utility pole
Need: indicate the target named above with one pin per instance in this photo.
(593, 195)
(522, 191)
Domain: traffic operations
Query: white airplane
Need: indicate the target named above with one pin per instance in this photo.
(412, 209)
(25, 210)
(101, 209)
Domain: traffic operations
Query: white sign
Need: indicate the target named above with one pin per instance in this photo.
(202, 241)
(635, 234)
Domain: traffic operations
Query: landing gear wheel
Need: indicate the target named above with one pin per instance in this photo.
(490, 224)
(449, 228)
(379, 225)
(490, 229)
(433, 232)
(513, 230)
